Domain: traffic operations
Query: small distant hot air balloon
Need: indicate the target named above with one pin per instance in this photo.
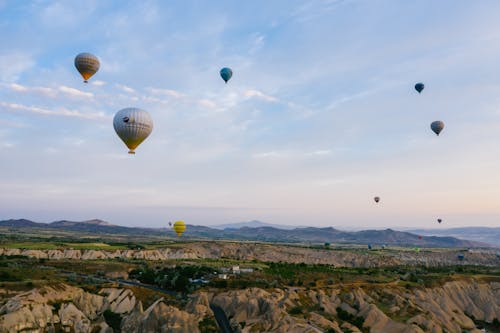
(460, 256)
(419, 237)
(439, 220)
(369, 246)
(226, 73)
(87, 64)
(377, 199)
(169, 224)
(132, 126)
(419, 87)
(437, 126)
(179, 228)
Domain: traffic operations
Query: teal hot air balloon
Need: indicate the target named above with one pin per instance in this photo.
(437, 126)
(226, 73)
(419, 87)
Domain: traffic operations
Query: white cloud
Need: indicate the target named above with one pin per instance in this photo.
(56, 112)
(320, 153)
(46, 91)
(258, 94)
(126, 89)
(7, 145)
(18, 87)
(98, 83)
(207, 103)
(167, 92)
(75, 92)
(267, 154)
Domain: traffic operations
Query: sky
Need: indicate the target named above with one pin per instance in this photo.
(319, 117)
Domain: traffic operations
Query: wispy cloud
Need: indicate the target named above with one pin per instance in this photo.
(75, 92)
(126, 89)
(56, 112)
(258, 94)
(207, 103)
(97, 83)
(320, 152)
(46, 91)
(166, 92)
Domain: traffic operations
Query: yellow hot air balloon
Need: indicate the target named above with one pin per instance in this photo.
(179, 227)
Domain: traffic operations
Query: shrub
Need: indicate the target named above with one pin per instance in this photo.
(113, 320)
(296, 310)
(208, 325)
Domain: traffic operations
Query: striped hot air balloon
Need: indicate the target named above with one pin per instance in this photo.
(87, 64)
(179, 228)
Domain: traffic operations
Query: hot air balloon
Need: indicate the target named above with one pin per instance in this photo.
(169, 224)
(437, 126)
(179, 228)
(226, 74)
(419, 237)
(377, 199)
(460, 256)
(419, 87)
(439, 220)
(369, 246)
(132, 126)
(87, 64)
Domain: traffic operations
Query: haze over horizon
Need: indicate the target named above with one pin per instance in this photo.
(319, 117)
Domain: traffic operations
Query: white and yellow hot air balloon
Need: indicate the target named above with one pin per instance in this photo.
(133, 126)
(179, 228)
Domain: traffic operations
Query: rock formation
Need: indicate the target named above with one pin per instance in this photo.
(355, 308)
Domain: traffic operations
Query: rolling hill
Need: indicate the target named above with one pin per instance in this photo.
(310, 235)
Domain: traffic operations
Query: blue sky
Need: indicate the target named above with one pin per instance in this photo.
(319, 117)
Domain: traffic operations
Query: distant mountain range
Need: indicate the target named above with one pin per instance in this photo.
(253, 224)
(260, 233)
(478, 234)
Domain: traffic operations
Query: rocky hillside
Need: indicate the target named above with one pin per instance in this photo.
(382, 309)
(274, 253)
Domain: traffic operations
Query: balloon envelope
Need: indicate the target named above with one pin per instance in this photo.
(377, 199)
(179, 228)
(437, 126)
(132, 126)
(419, 87)
(87, 64)
(226, 74)
(439, 220)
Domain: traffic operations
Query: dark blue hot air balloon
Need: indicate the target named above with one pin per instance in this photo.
(226, 73)
(437, 126)
(419, 87)
(460, 256)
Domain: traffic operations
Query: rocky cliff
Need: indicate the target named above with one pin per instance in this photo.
(377, 309)
(273, 253)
